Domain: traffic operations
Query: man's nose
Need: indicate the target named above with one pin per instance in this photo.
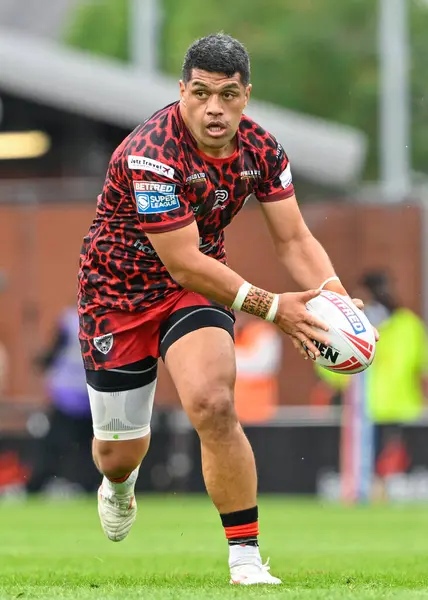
(214, 106)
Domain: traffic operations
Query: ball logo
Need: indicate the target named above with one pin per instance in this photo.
(327, 352)
(350, 314)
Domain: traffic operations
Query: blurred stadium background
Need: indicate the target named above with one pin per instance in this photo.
(343, 85)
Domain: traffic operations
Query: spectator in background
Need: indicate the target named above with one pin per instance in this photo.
(397, 377)
(258, 347)
(70, 416)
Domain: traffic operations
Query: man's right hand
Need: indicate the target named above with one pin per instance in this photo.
(302, 326)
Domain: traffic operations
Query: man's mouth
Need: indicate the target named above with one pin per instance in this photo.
(216, 128)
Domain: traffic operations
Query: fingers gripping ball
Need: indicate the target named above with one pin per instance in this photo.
(352, 341)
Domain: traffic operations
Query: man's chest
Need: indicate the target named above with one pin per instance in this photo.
(218, 191)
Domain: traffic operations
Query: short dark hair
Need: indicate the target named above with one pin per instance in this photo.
(217, 53)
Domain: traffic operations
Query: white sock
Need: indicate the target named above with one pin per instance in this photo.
(121, 489)
(239, 554)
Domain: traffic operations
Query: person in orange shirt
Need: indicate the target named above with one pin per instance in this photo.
(258, 347)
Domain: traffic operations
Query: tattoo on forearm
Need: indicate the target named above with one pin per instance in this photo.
(258, 302)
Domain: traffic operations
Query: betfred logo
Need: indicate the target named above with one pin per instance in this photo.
(153, 197)
(154, 186)
(354, 320)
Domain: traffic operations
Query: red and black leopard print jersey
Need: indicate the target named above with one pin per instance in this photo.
(157, 181)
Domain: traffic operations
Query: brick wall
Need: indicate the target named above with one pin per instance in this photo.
(39, 250)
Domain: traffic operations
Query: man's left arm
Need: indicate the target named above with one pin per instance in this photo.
(297, 249)
(303, 256)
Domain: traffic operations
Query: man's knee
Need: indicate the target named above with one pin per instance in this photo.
(212, 409)
(117, 459)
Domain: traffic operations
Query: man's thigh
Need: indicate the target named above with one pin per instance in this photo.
(191, 313)
(197, 346)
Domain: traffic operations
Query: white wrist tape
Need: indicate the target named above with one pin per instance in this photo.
(273, 309)
(241, 295)
(333, 278)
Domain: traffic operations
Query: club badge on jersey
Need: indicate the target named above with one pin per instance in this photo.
(104, 343)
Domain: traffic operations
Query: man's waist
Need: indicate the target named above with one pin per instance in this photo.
(126, 310)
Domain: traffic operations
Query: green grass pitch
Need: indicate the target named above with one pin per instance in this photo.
(176, 550)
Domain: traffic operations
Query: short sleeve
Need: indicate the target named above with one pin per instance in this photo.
(157, 190)
(277, 182)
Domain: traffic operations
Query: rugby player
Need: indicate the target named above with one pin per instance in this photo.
(154, 282)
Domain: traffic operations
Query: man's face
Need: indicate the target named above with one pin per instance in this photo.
(212, 105)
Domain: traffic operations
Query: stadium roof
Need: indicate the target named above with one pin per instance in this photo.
(45, 72)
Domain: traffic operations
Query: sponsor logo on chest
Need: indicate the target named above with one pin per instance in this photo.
(250, 174)
(196, 178)
(142, 163)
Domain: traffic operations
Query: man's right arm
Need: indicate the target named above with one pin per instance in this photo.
(193, 270)
(179, 252)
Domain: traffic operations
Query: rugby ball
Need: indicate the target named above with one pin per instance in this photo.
(352, 343)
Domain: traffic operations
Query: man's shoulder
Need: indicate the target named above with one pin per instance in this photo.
(154, 145)
(268, 153)
(255, 136)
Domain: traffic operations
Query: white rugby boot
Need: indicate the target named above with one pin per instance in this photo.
(117, 507)
(248, 569)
